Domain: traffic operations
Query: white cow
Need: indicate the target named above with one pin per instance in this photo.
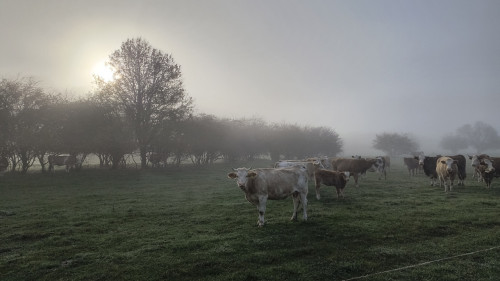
(447, 169)
(259, 185)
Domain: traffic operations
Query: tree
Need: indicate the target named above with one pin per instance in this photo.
(23, 106)
(453, 143)
(148, 88)
(481, 136)
(395, 144)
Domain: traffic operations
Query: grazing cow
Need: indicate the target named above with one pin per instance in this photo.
(411, 164)
(4, 164)
(487, 172)
(331, 178)
(428, 165)
(356, 166)
(70, 161)
(259, 185)
(447, 169)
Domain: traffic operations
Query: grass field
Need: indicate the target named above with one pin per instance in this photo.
(195, 224)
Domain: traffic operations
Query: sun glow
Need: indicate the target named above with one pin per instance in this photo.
(104, 71)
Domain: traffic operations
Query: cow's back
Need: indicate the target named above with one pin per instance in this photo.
(351, 165)
(280, 183)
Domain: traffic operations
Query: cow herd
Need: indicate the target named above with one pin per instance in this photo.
(291, 177)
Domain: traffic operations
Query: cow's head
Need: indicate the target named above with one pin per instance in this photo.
(345, 176)
(242, 175)
(488, 163)
(449, 163)
(420, 159)
(475, 161)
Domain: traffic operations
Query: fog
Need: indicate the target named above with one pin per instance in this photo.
(423, 68)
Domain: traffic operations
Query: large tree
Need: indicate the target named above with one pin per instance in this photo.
(453, 143)
(481, 136)
(149, 89)
(395, 144)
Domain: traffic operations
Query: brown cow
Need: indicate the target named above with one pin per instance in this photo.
(412, 165)
(356, 166)
(447, 170)
(259, 185)
(487, 173)
(331, 178)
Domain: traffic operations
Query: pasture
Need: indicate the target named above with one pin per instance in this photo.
(195, 224)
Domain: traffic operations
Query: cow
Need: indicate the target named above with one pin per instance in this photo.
(262, 184)
(158, 159)
(484, 159)
(412, 164)
(447, 170)
(461, 164)
(487, 172)
(475, 162)
(331, 178)
(428, 165)
(381, 169)
(4, 164)
(387, 163)
(356, 166)
(70, 161)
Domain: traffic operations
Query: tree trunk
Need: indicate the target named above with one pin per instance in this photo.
(144, 160)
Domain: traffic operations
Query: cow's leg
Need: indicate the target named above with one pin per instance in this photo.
(296, 202)
(318, 184)
(262, 210)
(338, 192)
(356, 176)
(303, 200)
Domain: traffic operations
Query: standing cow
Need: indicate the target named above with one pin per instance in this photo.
(461, 164)
(487, 172)
(412, 165)
(355, 167)
(428, 165)
(70, 161)
(447, 170)
(259, 185)
(330, 178)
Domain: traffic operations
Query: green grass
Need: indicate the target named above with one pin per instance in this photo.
(195, 224)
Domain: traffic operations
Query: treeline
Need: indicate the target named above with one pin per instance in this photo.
(34, 124)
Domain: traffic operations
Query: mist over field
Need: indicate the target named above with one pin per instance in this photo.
(361, 68)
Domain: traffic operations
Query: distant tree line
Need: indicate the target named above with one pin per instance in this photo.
(34, 124)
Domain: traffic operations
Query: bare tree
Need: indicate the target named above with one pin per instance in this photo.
(149, 89)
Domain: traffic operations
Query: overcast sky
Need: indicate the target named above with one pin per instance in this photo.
(359, 67)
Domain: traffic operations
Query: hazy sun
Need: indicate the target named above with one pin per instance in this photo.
(103, 71)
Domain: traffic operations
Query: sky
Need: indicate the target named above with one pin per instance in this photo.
(360, 67)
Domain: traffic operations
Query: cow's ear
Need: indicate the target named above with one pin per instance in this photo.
(251, 174)
(232, 175)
